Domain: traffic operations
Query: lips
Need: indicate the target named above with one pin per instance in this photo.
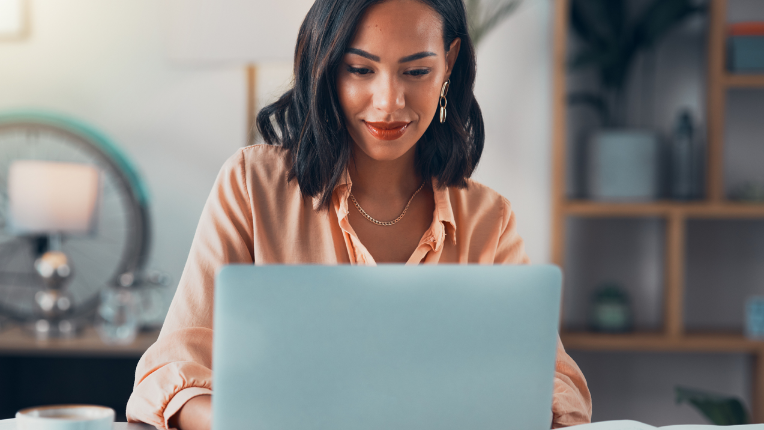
(387, 130)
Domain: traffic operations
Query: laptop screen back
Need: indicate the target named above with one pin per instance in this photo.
(385, 348)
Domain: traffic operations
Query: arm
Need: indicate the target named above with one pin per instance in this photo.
(196, 414)
(178, 367)
(572, 402)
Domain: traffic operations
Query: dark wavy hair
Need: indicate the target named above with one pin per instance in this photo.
(308, 119)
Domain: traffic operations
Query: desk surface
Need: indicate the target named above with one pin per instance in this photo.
(11, 425)
(16, 341)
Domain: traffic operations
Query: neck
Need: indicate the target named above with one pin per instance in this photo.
(389, 180)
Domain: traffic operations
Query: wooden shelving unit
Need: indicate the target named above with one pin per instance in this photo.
(673, 337)
(665, 209)
(690, 342)
(743, 81)
(15, 341)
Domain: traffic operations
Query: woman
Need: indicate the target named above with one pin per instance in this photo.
(367, 161)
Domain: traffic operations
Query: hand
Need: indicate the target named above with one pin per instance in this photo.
(196, 414)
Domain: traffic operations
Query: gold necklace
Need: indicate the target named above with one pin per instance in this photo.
(385, 223)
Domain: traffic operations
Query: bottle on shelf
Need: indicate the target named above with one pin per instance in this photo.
(685, 176)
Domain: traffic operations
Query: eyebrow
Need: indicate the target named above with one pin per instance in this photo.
(406, 59)
(417, 56)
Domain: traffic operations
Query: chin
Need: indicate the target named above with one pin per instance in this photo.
(385, 150)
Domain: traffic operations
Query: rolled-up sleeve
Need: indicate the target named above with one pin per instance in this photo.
(571, 402)
(178, 366)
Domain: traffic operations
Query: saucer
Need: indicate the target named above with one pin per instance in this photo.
(65, 417)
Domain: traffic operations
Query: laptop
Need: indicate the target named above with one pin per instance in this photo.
(390, 347)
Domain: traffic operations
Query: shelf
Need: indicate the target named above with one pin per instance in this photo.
(676, 214)
(16, 341)
(744, 81)
(659, 342)
(664, 209)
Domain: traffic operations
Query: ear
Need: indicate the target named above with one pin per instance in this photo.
(452, 55)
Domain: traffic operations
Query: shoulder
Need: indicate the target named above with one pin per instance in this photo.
(486, 219)
(480, 202)
(264, 158)
(258, 163)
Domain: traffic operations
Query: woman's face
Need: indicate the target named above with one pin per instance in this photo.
(390, 79)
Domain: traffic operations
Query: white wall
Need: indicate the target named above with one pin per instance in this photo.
(514, 91)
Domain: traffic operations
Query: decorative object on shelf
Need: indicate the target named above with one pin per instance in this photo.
(125, 310)
(719, 409)
(117, 317)
(14, 19)
(746, 47)
(110, 248)
(484, 18)
(152, 299)
(610, 310)
(686, 167)
(749, 192)
(754, 317)
(623, 165)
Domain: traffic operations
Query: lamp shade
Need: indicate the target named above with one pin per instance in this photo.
(51, 197)
(233, 31)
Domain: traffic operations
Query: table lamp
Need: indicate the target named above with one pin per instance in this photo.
(52, 199)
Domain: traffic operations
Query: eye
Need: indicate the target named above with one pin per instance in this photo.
(359, 70)
(417, 72)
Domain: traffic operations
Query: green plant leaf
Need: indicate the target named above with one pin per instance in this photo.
(586, 58)
(584, 26)
(601, 24)
(660, 17)
(616, 16)
(592, 100)
(473, 16)
(483, 19)
(719, 409)
(616, 66)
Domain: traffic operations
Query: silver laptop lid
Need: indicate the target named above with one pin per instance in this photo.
(389, 347)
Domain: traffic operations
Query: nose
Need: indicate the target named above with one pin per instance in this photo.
(388, 95)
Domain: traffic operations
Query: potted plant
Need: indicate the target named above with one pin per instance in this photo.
(623, 162)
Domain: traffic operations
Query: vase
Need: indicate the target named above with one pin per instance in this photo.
(623, 165)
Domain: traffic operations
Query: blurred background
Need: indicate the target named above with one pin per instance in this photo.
(624, 132)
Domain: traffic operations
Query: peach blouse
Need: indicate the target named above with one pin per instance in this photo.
(254, 215)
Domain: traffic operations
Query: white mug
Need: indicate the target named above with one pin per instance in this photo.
(65, 417)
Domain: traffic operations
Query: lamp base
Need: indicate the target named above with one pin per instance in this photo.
(58, 329)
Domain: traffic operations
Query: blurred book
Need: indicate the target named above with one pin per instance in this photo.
(746, 47)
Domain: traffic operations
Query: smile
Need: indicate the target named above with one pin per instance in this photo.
(387, 130)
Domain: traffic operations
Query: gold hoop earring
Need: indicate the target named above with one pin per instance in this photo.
(443, 102)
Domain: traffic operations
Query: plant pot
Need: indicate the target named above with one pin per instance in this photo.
(624, 165)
